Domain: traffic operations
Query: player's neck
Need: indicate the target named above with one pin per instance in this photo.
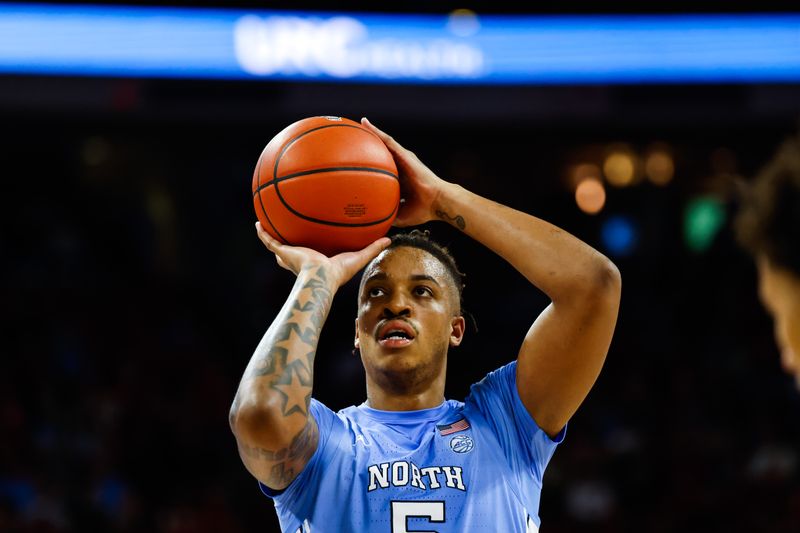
(383, 400)
(413, 389)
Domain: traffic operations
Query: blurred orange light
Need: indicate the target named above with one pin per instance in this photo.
(582, 171)
(619, 168)
(659, 167)
(590, 195)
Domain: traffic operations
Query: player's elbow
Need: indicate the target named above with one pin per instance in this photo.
(605, 282)
(608, 276)
(247, 418)
(235, 417)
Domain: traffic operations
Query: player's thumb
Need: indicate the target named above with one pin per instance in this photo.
(352, 262)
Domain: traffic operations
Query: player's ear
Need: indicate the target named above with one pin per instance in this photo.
(355, 341)
(457, 327)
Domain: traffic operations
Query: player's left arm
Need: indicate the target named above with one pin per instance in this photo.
(565, 348)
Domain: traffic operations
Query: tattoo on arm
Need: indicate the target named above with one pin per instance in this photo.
(287, 461)
(282, 368)
(458, 220)
(287, 360)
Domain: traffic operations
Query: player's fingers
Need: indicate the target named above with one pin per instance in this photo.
(373, 250)
(283, 254)
(377, 247)
(387, 139)
(271, 244)
(406, 159)
(355, 261)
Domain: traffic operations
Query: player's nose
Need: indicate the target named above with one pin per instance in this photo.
(397, 305)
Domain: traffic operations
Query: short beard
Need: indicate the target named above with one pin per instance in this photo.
(411, 379)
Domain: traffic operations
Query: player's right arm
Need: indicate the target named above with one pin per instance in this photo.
(275, 432)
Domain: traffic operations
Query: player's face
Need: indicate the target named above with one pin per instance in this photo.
(780, 291)
(407, 318)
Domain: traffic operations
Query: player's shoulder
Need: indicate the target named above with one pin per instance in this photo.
(497, 388)
(455, 407)
(504, 375)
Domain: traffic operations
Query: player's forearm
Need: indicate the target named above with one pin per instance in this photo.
(275, 391)
(558, 263)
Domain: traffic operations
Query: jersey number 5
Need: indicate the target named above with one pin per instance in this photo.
(403, 510)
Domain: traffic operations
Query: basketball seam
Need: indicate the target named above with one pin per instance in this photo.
(321, 170)
(329, 222)
(275, 180)
(293, 139)
(261, 202)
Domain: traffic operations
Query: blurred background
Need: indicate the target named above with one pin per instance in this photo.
(134, 288)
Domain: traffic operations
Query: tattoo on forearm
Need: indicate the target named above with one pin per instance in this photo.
(458, 220)
(283, 367)
(289, 360)
(287, 459)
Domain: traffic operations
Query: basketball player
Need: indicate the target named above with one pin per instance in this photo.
(407, 459)
(769, 227)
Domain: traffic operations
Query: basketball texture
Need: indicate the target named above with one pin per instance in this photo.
(326, 183)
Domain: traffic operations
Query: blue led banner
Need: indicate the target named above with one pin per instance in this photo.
(461, 48)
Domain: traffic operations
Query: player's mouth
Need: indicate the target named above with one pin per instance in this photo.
(396, 334)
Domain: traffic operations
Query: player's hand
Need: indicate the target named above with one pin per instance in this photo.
(419, 186)
(339, 268)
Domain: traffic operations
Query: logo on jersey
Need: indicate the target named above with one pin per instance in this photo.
(461, 444)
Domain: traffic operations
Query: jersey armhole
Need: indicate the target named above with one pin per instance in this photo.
(558, 438)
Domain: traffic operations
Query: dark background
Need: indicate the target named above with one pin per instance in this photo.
(134, 291)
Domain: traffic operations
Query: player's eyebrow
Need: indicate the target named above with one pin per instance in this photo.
(376, 276)
(380, 276)
(424, 277)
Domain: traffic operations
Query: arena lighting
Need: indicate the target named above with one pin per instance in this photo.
(619, 235)
(703, 217)
(619, 167)
(582, 171)
(463, 22)
(659, 165)
(590, 195)
(458, 48)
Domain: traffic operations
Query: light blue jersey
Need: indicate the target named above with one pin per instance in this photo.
(458, 467)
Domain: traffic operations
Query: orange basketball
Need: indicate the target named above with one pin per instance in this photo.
(326, 183)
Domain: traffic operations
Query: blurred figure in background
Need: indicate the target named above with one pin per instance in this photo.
(769, 227)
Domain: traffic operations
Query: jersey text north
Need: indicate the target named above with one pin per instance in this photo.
(403, 473)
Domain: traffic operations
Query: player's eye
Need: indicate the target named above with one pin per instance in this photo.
(374, 292)
(423, 291)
